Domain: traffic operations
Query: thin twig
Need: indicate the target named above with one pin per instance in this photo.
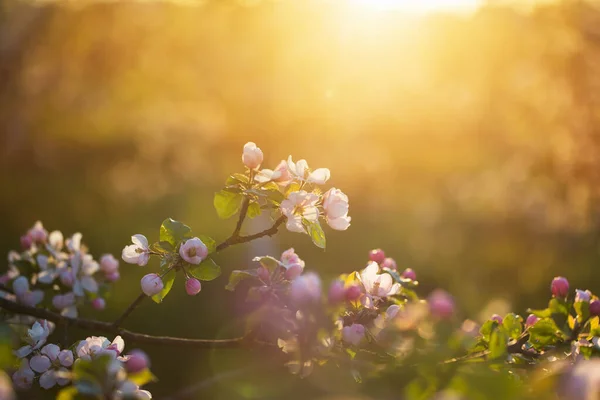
(107, 327)
(130, 309)
(244, 239)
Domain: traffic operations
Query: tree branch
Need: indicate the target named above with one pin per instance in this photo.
(107, 327)
(244, 239)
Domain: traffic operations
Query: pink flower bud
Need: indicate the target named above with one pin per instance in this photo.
(113, 276)
(38, 234)
(193, 251)
(353, 292)
(151, 284)
(560, 287)
(99, 303)
(264, 274)
(137, 361)
(108, 263)
(389, 263)
(26, 242)
(531, 320)
(67, 277)
(497, 318)
(595, 308)
(377, 255)
(62, 301)
(353, 334)
(193, 286)
(293, 272)
(337, 292)
(583, 296)
(306, 289)
(252, 156)
(408, 273)
(441, 304)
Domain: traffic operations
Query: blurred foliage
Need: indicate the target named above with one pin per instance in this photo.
(468, 145)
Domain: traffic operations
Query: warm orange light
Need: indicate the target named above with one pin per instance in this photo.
(420, 6)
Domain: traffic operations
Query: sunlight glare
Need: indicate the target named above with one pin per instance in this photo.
(421, 6)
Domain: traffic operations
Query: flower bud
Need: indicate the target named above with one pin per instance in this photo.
(531, 320)
(252, 156)
(151, 284)
(62, 301)
(337, 292)
(264, 274)
(137, 361)
(108, 263)
(193, 286)
(193, 251)
(408, 273)
(293, 272)
(389, 263)
(113, 276)
(497, 318)
(38, 234)
(392, 311)
(99, 303)
(66, 358)
(20, 285)
(306, 289)
(377, 255)
(560, 287)
(441, 304)
(583, 296)
(26, 242)
(353, 334)
(67, 277)
(353, 292)
(595, 308)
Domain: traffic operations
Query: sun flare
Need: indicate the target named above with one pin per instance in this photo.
(420, 6)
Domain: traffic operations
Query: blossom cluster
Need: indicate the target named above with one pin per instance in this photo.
(50, 365)
(57, 273)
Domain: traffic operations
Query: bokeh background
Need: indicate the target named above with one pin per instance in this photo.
(467, 138)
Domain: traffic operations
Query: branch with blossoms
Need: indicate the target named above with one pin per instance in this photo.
(370, 323)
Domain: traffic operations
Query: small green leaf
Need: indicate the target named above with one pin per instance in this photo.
(173, 232)
(513, 324)
(487, 328)
(227, 203)
(162, 247)
(498, 341)
(253, 209)
(543, 313)
(315, 232)
(168, 280)
(582, 308)
(268, 262)
(207, 270)
(143, 377)
(237, 178)
(558, 306)
(209, 242)
(238, 276)
(544, 333)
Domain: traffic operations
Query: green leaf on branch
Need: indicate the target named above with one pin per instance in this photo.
(558, 306)
(207, 270)
(227, 203)
(253, 209)
(543, 313)
(238, 276)
(487, 328)
(513, 324)
(237, 178)
(168, 280)
(173, 232)
(544, 333)
(315, 232)
(582, 308)
(498, 342)
(162, 247)
(268, 262)
(210, 243)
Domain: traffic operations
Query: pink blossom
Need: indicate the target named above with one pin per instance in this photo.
(38, 234)
(113, 276)
(378, 285)
(136, 361)
(109, 264)
(252, 156)
(193, 286)
(62, 301)
(353, 292)
(151, 284)
(497, 318)
(99, 303)
(353, 334)
(560, 287)
(306, 289)
(137, 253)
(531, 320)
(377, 255)
(301, 171)
(337, 292)
(23, 378)
(293, 264)
(280, 174)
(335, 204)
(408, 273)
(193, 251)
(298, 206)
(441, 304)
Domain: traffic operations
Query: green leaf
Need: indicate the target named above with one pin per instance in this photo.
(268, 262)
(207, 270)
(558, 306)
(543, 313)
(168, 280)
(543, 333)
(68, 393)
(315, 232)
(209, 242)
(238, 276)
(162, 247)
(253, 209)
(487, 328)
(498, 341)
(173, 232)
(237, 178)
(143, 377)
(582, 308)
(227, 204)
(513, 324)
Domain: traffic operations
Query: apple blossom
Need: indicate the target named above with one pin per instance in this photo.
(152, 284)
(353, 334)
(335, 204)
(99, 303)
(263, 274)
(48, 379)
(353, 292)
(56, 242)
(306, 289)
(26, 242)
(192, 286)
(39, 363)
(252, 156)
(113, 276)
(129, 390)
(67, 277)
(280, 174)
(36, 338)
(389, 264)
(337, 292)
(193, 251)
(301, 171)
(136, 361)
(595, 308)
(62, 301)
(138, 252)
(109, 264)
(531, 320)
(560, 287)
(65, 357)
(24, 295)
(23, 378)
(409, 273)
(497, 318)
(298, 206)
(583, 296)
(378, 285)
(441, 304)
(376, 255)
(292, 263)
(38, 234)
(95, 346)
